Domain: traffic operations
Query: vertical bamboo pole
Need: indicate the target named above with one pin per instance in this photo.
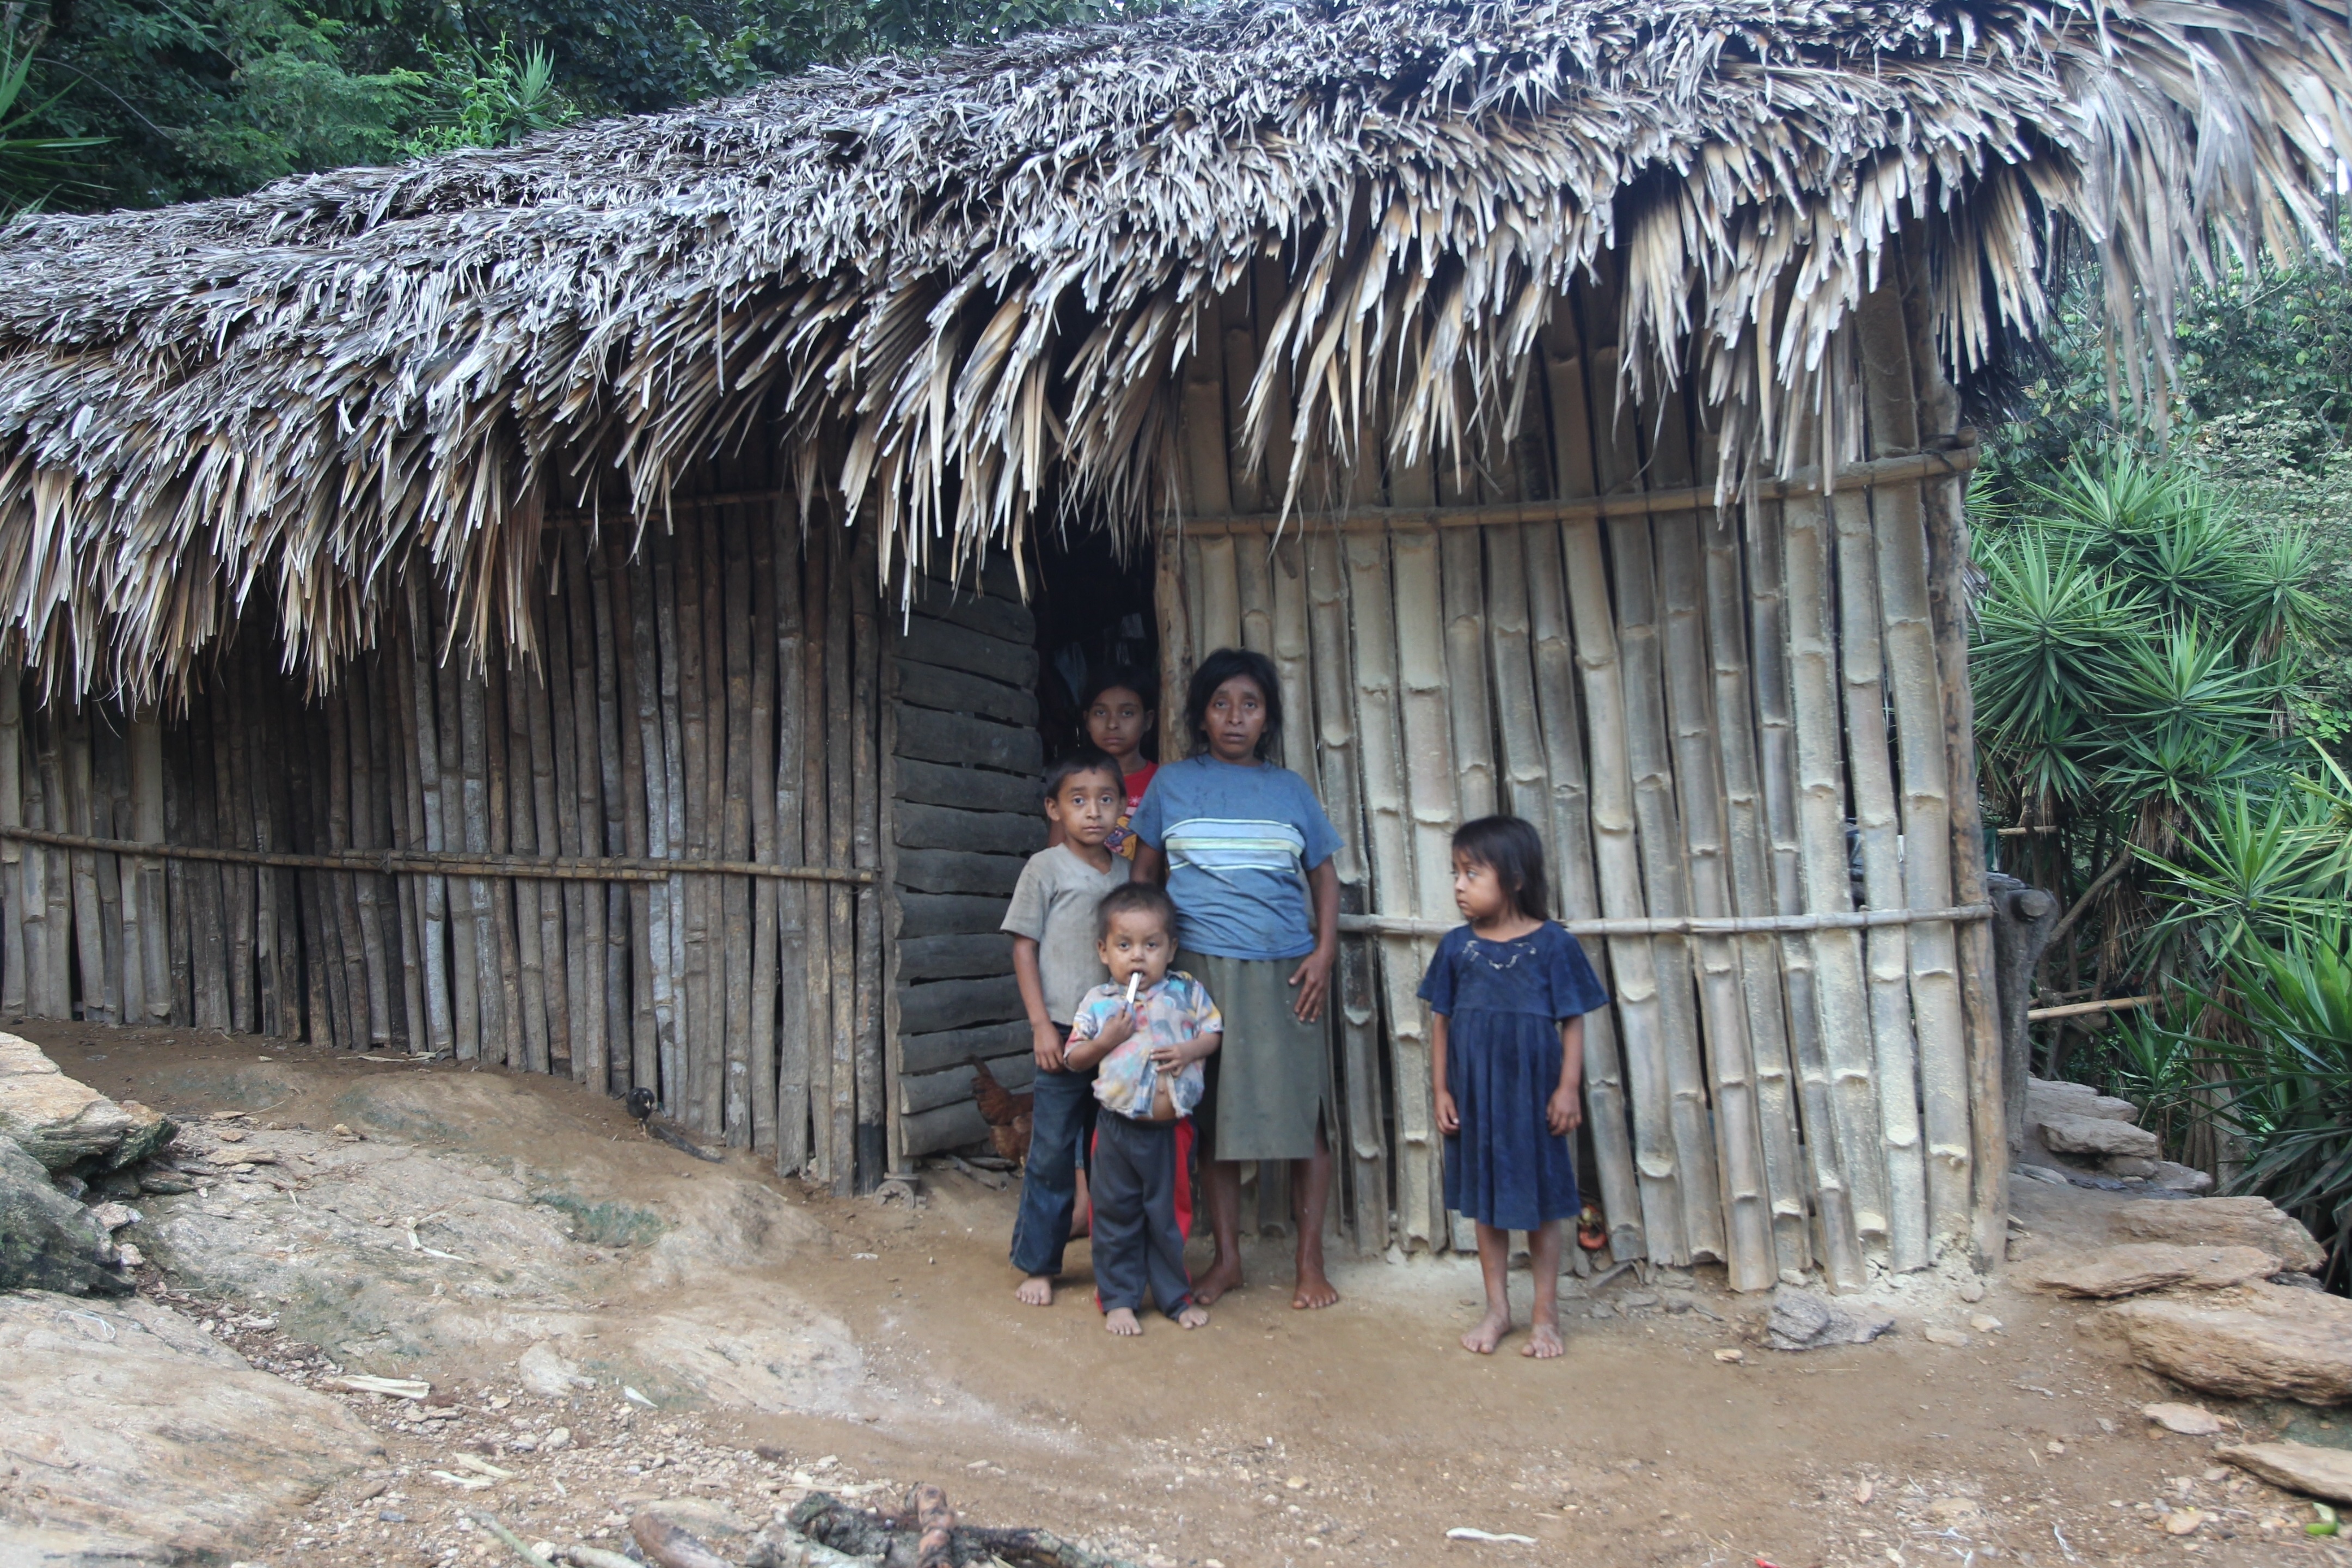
(715, 1048)
(861, 589)
(433, 915)
(1388, 835)
(353, 1033)
(276, 704)
(233, 828)
(644, 812)
(396, 693)
(212, 949)
(518, 806)
(1525, 791)
(735, 892)
(547, 672)
(795, 961)
(33, 864)
(118, 880)
(468, 980)
(473, 717)
(1218, 598)
(499, 771)
(561, 905)
(58, 877)
(671, 996)
(1752, 893)
(1464, 593)
(1871, 771)
(179, 893)
(1839, 1246)
(372, 815)
(342, 943)
(1915, 684)
(816, 840)
(1293, 645)
(13, 992)
(321, 969)
(614, 704)
(1820, 795)
(1170, 610)
(249, 681)
(761, 762)
(841, 813)
(147, 816)
(591, 937)
(698, 1021)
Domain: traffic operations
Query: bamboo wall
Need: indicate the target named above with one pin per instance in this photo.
(713, 699)
(1690, 704)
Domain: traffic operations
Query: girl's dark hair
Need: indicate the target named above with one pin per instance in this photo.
(1509, 846)
(1117, 676)
(1084, 760)
(1220, 666)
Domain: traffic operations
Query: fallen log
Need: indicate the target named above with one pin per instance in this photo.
(667, 1544)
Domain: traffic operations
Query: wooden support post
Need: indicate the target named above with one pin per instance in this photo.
(795, 962)
(735, 837)
(863, 591)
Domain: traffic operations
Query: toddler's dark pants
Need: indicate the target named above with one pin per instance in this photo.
(1140, 1185)
(1062, 1122)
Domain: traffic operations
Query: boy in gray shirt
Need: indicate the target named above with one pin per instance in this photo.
(1055, 960)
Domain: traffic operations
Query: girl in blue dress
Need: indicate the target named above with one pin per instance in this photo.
(1510, 990)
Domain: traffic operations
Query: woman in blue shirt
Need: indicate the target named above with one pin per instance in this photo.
(1246, 853)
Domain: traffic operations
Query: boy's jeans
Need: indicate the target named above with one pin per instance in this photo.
(1062, 1122)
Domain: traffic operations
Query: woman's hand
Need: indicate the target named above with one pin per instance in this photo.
(1449, 1119)
(1313, 980)
(1047, 1045)
(1563, 1112)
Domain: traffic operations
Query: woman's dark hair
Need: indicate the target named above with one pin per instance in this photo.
(1119, 677)
(1220, 666)
(1084, 760)
(1509, 847)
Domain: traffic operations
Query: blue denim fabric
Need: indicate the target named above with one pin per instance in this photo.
(1062, 1124)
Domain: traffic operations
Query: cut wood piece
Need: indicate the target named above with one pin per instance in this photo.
(956, 1126)
(950, 646)
(923, 826)
(968, 789)
(929, 1092)
(951, 737)
(960, 691)
(958, 871)
(958, 1004)
(949, 1048)
(996, 613)
(954, 957)
(922, 914)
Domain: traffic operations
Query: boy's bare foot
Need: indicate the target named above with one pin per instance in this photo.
(1314, 1291)
(1191, 1317)
(1121, 1321)
(1543, 1341)
(1482, 1339)
(1037, 1290)
(1222, 1277)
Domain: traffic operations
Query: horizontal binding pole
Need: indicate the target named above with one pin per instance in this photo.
(1742, 925)
(2079, 1009)
(429, 863)
(1698, 497)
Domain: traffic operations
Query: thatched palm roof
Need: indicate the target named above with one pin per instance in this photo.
(966, 279)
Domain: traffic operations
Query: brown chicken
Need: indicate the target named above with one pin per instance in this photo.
(1006, 1113)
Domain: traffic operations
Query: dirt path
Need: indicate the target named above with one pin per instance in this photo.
(1272, 1438)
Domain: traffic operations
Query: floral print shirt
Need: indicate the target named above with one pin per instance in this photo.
(1176, 1010)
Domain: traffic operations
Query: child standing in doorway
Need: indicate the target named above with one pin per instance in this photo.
(1145, 1035)
(1116, 712)
(1246, 851)
(1055, 961)
(1510, 990)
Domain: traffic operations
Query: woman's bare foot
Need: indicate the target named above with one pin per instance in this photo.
(1191, 1317)
(1543, 1341)
(1482, 1339)
(1037, 1290)
(1314, 1291)
(1121, 1321)
(1222, 1277)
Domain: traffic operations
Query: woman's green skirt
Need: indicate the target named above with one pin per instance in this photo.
(1270, 1082)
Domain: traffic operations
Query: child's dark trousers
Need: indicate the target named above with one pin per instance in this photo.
(1142, 1185)
(1062, 1122)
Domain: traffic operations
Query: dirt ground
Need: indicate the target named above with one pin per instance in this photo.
(1272, 1438)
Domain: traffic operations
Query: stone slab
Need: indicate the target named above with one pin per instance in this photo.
(2136, 1267)
(2224, 1222)
(2297, 1467)
(2257, 1342)
(2097, 1137)
(57, 1119)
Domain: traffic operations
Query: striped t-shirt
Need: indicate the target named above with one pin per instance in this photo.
(1239, 838)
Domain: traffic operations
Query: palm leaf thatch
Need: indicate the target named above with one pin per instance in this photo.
(960, 290)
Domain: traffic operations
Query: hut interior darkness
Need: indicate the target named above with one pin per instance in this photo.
(584, 607)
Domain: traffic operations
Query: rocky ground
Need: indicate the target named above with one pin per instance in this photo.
(600, 1325)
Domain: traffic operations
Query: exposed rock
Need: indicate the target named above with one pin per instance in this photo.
(2097, 1137)
(47, 1241)
(2046, 1097)
(150, 1130)
(544, 1371)
(2178, 1178)
(1936, 1334)
(2224, 1222)
(56, 1120)
(2297, 1467)
(2129, 1165)
(2188, 1420)
(139, 1439)
(2256, 1342)
(1803, 1321)
(2140, 1267)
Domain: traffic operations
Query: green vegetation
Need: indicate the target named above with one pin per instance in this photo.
(605, 1224)
(2163, 670)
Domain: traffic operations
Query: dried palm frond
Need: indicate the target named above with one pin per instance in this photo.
(973, 281)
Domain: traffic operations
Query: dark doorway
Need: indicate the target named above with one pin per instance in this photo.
(1094, 617)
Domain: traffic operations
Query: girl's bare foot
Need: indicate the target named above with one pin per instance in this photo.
(1037, 1290)
(1314, 1291)
(1121, 1321)
(1191, 1317)
(1222, 1278)
(1543, 1341)
(1482, 1339)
